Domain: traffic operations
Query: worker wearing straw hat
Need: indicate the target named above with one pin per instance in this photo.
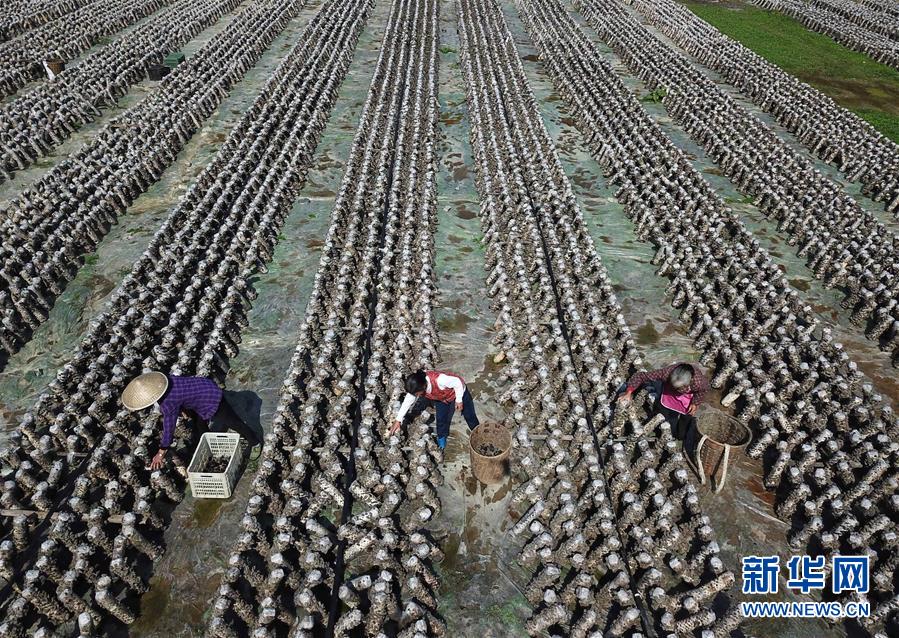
(199, 396)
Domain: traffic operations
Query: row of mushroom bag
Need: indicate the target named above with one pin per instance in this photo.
(39, 120)
(19, 16)
(335, 539)
(866, 30)
(833, 133)
(68, 212)
(845, 246)
(79, 458)
(65, 38)
(827, 438)
(873, 16)
(609, 520)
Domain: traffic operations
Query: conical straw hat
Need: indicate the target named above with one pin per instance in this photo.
(145, 390)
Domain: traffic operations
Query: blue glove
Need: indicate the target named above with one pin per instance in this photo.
(441, 442)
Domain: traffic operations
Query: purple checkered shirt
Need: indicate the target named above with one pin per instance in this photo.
(197, 394)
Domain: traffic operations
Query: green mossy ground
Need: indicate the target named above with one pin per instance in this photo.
(865, 87)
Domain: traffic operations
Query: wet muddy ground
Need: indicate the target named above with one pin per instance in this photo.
(481, 583)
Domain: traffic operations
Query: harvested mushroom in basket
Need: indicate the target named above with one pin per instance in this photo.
(219, 464)
(488, 449)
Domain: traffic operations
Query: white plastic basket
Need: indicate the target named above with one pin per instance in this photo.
(214, 484)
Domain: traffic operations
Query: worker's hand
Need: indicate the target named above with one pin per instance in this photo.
(692, 409)
(458, 407)
(625, 398)
(394, 428)
(156, 463)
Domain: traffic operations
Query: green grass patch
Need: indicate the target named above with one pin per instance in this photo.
(656, 96)
(886, 123)
(853, 80)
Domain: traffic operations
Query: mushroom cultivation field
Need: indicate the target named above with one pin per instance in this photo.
(543, 196)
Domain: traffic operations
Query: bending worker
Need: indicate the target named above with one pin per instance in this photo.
(678, 391)
(443, 391)
(199, 397)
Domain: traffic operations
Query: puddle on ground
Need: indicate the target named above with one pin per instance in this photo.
(463, 212)
(449, 119)
(458, 323)
(323, 193)
(825, 311)
(206, 511)
(153, 605)
(647, 334)
(755, 486)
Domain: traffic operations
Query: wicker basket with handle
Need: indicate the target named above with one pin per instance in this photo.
(712, 445)
(490, 469)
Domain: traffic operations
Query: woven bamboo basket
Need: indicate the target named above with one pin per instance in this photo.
(490, 469)
(56, 65)
(712, 446)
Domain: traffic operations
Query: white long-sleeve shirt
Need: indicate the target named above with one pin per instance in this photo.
(444, 382)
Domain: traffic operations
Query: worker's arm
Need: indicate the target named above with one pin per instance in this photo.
(169, 419)
(700, 386)
(405, 406)
(641, 378)
(446, 382)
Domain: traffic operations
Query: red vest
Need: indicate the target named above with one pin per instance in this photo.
(436, 394)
